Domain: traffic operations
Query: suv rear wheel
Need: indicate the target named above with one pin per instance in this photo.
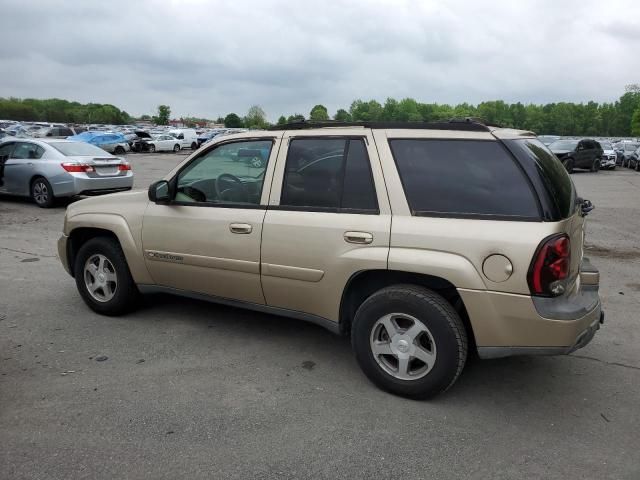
(409, 341)
(103, 278)
(595, 166)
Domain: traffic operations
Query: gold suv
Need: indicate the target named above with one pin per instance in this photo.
(420, 241)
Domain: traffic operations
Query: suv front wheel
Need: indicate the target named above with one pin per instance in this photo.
(409, 341)
(103, 278)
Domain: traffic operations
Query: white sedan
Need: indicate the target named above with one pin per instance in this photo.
(163, 143)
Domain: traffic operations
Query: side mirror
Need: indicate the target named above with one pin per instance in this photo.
(159, 192)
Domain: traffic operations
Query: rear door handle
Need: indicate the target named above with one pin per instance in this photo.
(241, 228)
(358, 237)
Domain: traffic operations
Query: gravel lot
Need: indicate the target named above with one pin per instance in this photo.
(195, 390)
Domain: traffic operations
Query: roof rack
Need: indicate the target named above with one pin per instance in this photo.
(464, 124)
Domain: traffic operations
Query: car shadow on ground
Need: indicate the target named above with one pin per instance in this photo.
(60, 203)
(509, 383)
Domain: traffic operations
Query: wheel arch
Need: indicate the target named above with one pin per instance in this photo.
(363, 284)
(82, 229)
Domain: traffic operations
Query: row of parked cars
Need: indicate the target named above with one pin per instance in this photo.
(117, 139)
(593, 155)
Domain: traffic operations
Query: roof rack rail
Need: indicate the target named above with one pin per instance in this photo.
(464, 124)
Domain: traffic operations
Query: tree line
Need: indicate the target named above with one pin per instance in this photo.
(620, 118)
(60, 111)
(616, 119)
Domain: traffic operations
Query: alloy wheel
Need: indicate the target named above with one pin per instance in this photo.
(100, 278)
(403, 346)
(40, 192)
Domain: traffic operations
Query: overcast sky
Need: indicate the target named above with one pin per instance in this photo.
(209, 58)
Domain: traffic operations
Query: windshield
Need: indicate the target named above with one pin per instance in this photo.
(630, 147)
(606, 146)
(564, 145)
(72, 149)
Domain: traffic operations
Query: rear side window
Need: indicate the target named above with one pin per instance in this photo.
(463, 178)
(554, 179)
(27, 151)
(331, 174)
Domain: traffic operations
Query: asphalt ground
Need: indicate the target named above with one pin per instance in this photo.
(195, 390)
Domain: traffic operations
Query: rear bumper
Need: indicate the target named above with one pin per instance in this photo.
(81, 184)
(507, 324)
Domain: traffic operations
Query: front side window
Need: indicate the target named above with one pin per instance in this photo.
(329, 174)
(462, 178)
(232, 173)
(27, 151)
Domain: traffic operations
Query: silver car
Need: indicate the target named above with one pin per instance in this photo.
(46, 169)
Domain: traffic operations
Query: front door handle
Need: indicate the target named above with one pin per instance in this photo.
(358, 237)
(241, 228)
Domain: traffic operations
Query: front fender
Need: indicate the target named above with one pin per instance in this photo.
(131, 244)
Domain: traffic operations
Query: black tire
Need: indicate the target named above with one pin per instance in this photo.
(595, 166)
(194, 146)
(444, 324)
(568, 164)
(126, 293)
(176, 148)
(152, 149)
(42, 193)
(119, 150)
(637, 166)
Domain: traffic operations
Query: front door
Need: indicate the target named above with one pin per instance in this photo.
(207, 240)
(328, 219)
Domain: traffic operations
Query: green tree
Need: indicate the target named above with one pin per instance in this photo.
(319, 113)
(233, 121)
(342, 116)
(256, 118)
(145, 118)
(295, 118)
(282, 120)
(635, 123)
(164, 115)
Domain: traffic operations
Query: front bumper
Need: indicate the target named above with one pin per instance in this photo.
(506, 324)
(609, 162)
(62, 253)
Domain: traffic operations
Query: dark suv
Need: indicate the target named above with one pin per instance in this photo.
(583, 153)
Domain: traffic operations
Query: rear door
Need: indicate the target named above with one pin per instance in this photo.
(20, 167)
(328, 218)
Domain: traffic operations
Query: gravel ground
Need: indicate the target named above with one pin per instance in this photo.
(187, 389)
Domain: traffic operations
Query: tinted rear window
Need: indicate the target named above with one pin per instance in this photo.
(554, 176)
(463, 178)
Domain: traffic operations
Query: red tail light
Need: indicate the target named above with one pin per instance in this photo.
(550, 267)
(123, 167)
(77, 167)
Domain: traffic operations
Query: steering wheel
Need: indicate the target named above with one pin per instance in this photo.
(237, 186)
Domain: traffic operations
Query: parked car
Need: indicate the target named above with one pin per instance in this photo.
(634, 160)
(609, 156)
(54, 132)
(139, 142)
(48, 169)
(585, 153)
(111, 142)
(163, 143)
(207, 136)
(187, 136)
(419, 248)
(627, 150)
